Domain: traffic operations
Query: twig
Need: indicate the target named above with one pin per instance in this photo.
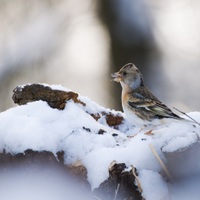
(116, 191)
(187, 115)
(161, 162)
(136, 178)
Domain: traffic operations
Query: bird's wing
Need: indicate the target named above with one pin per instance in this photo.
(145, 101)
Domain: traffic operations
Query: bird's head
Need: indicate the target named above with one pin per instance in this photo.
(129, 75)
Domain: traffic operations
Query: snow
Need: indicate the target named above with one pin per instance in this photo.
(149, 180)
(38, 127)
(180, 142)
(41, 183)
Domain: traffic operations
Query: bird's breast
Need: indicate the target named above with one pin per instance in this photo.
(132, 114)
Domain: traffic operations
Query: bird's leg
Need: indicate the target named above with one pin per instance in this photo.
(150, 132)
(141, 129)
(132, 136)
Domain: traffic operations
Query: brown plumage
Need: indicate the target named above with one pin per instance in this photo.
(139, 104)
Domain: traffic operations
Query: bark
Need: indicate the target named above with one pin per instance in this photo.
(58, 99)
(183, 163)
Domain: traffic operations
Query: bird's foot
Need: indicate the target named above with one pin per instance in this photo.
(132, 136)
(150, 132)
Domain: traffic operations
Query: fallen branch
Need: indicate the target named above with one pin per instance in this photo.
(58, 99)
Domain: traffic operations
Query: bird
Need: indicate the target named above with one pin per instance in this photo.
(139, 104)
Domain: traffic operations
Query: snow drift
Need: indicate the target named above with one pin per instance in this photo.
(83, 133)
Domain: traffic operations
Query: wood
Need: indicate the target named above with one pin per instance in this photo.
(184, 162)
(58, 99)
(120, 184)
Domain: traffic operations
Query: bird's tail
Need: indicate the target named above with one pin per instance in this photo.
(191, 120)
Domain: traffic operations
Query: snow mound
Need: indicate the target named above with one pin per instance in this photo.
(38, 127)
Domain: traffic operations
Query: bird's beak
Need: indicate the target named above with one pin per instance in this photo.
(116, 77)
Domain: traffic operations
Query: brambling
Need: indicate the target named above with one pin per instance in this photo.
(140, 106)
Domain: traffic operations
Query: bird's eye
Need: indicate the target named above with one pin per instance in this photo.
(124, 73)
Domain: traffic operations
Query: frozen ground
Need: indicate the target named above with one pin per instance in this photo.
(38, 127)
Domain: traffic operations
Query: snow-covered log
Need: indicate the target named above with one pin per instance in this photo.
(58, 99)
(118, 177)
(54, 125)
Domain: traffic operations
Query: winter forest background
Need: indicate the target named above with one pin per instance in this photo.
(78, 44)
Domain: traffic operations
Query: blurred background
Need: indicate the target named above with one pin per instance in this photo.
(78, 44)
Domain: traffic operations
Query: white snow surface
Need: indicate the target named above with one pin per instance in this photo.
(38, 127)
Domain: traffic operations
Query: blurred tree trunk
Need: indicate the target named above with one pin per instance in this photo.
(129, 25)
